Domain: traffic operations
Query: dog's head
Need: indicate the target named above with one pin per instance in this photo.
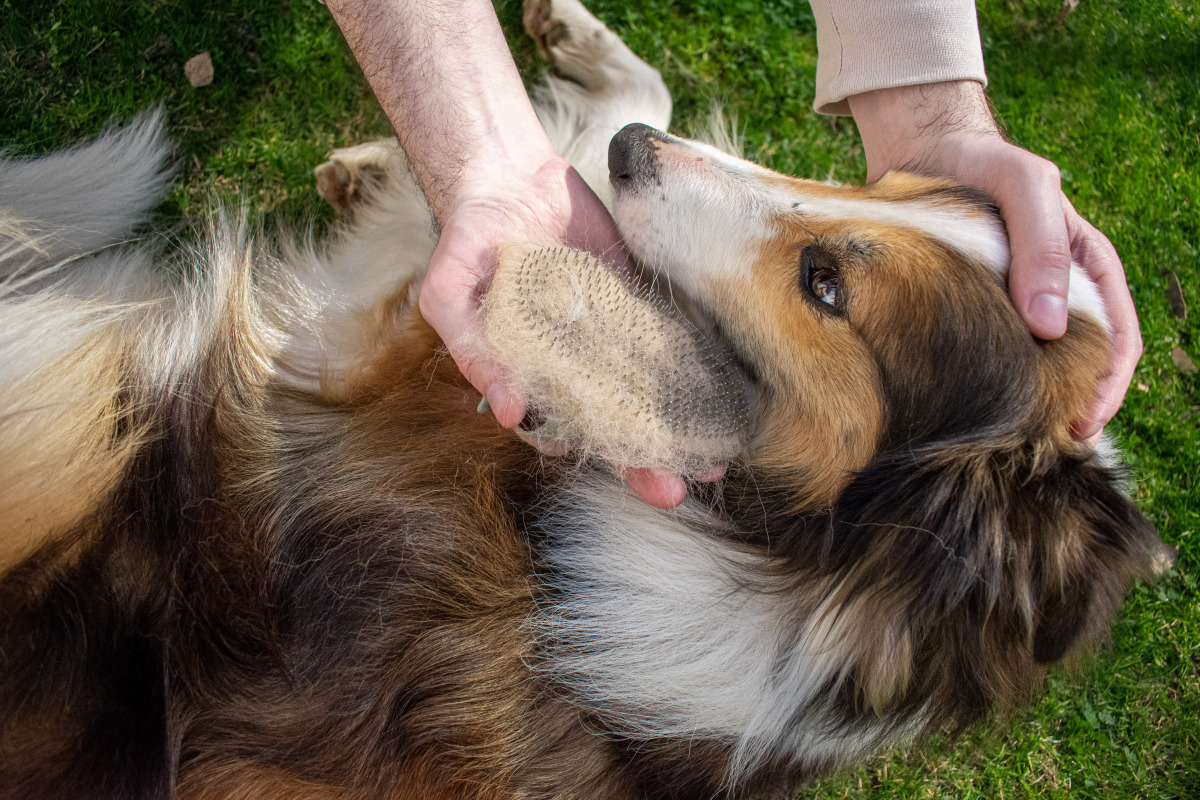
(870, 318)
(903, 403)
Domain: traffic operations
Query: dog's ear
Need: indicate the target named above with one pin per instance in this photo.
(1087, 542)
(989, 561)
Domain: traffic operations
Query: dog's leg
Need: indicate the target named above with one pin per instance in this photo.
(391, 235)
(608, 86)
(586, 51)
(369, 270)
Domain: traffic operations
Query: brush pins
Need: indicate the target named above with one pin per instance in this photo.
(612, 368)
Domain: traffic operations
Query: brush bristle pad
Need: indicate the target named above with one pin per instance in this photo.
(611, 368)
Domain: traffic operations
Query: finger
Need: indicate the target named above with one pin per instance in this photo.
(656, 488)
(492, 381)
(1031, 201)
(505, 403)
(449, 303)
(1099, 259)
(508, 407)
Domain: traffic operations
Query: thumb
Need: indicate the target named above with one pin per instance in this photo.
(1040, 271)
(449, 301)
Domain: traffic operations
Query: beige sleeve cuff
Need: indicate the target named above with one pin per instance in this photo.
(878, 44)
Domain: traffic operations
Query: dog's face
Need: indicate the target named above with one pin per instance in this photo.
(912, 459)
(869, 317)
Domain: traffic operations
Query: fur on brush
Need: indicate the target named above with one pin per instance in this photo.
(609, 367)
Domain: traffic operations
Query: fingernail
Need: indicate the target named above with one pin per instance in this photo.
(1049, 311)
(483, 407)
(531, 422)
(545, 439)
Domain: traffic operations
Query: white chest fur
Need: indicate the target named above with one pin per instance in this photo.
(668, 631)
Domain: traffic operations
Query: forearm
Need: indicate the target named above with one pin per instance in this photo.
(445, 78)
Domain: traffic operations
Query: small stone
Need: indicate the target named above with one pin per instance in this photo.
(1182, 362)
(199, 70)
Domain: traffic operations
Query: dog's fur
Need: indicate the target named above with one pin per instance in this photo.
(255, 541)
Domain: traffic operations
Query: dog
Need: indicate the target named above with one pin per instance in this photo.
(257, 542)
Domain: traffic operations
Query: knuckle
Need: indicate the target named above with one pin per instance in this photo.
(426, 302)
(1046, 172)
(1108, 250)
(1053, 260)
(1032, 170)
(432, 304)
(1050, 173)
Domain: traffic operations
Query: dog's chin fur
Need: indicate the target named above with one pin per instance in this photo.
(255, 541)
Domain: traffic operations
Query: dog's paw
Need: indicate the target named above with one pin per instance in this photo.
(567, 34)
(353, 172)
(543, 27)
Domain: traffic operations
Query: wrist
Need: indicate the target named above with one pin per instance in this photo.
(496, 173)
(496, 142)
(904, 125)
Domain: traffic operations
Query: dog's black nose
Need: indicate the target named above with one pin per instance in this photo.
(632, 159)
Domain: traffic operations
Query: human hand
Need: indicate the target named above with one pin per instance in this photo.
(548, 204)
(948, 129)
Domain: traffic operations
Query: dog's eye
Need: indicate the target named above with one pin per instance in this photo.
(819, 275)
(823, 283)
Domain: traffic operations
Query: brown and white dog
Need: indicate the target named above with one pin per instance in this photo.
(255, 541)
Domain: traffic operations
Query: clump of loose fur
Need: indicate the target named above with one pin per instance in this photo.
(610, 367)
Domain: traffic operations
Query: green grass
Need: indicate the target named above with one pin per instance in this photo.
(1111, 93)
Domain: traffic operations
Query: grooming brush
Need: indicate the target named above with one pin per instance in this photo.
(610, 367)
